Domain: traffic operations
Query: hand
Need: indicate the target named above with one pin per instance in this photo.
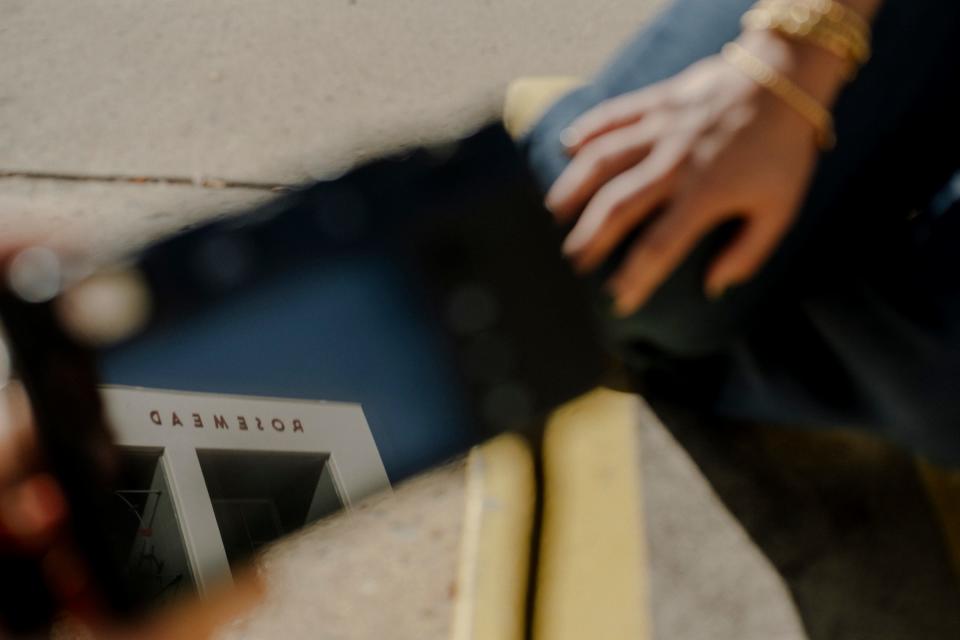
(32, 508)
(704, 147)
(34, 514)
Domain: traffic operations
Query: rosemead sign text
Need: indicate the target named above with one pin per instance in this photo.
(224, 421)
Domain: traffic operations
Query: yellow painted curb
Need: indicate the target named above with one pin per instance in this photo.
(592, 580)
(529, 98)
(492, 579)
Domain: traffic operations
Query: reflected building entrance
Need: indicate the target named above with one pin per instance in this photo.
(259, 497)
(209, 479)
(147, 533)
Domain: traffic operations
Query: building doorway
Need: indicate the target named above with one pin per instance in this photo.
(260, 496)
(145, 529)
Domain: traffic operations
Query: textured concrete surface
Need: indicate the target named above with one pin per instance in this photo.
(106, 219)
(709, 580)
(388, 568)
(267, 89)
(384, 570)
(274, 91)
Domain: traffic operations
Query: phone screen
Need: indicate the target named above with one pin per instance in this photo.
(315, 350)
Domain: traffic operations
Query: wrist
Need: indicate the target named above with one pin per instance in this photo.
(819, 73)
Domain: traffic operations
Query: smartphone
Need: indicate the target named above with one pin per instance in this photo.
(297, 357)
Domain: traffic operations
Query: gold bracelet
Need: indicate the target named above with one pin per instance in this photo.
(823, 23)
(840, 13)
(845, 46)
(831, 11)
(812, 19)
(830, 16)
(782, 87)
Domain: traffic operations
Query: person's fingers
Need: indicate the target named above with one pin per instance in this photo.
(19, 412)
(745, 253)
(619, 206)
(69, 578)
(31, 512)
(18, 437)
(31, 504)
(658, 251)
(611, 114)
(596, 164)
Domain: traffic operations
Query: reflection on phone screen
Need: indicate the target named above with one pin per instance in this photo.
(302, 357)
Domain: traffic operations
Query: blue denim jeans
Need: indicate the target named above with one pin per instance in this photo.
(855, 321)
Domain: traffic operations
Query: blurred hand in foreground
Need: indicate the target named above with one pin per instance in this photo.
(32, 508)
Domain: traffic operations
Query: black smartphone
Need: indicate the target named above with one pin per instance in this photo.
(294, 358)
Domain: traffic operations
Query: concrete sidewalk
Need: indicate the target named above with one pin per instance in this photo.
(277, 91)
(262, 91)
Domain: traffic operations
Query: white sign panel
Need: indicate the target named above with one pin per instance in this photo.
(180, 423)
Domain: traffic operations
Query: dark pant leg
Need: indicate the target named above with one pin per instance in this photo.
(897, 133)
(861, 324)
(912, 38)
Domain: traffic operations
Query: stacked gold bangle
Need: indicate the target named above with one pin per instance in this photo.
(823, 23)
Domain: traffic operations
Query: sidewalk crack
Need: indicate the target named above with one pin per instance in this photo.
(199, 181)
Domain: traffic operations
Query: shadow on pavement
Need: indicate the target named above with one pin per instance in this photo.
(843, 518)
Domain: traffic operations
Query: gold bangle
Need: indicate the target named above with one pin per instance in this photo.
(841, 13)
(839, 43)
(782, 87)
(835, 12)
(801, 20)
(823, 23)
(831, 16)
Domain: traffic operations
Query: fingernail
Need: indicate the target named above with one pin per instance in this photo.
(612, 287)
(548, 205)
(716, 291)
(569, 138)
(623, 306)
(583, 267)
(623, 299)
(571, 245)
(552, 200)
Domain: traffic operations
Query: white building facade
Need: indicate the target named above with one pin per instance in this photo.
(212, 477)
